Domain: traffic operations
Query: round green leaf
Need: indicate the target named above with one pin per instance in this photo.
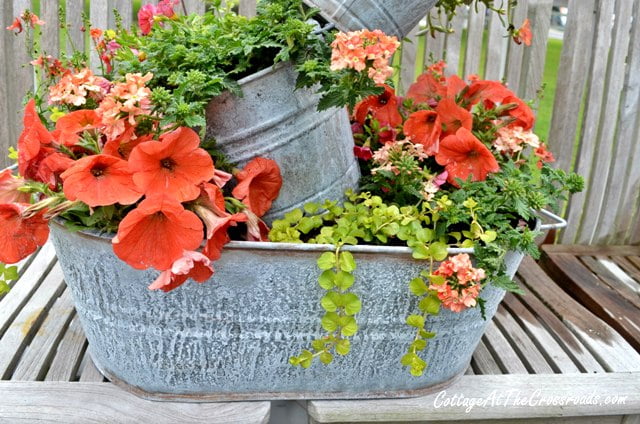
(327, 260)
(326, 358)
(347, 262)
(415, 321)
(327, 279)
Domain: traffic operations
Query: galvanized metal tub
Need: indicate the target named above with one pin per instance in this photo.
(313, 149)
(231, 337)
(393, 17)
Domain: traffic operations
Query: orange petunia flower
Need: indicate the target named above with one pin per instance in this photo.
(173, 166)
(258, 185)
(33, 138)
(100, 180)
(51, 167)
(489, 92)
(156, 233)
(383, 108)
(428, 87)
(464, 156)
(523, 34)
(9, 186)
(122, 146)
(424, 127)
(20, 237)
(192, 265)
(453, 117)
(522, 113)
(71, 125)
(217, 237)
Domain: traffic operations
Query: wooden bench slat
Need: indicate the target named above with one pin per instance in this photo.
(591, 292)
(423, 409)
(578, 249)
(526, 349)
(36, 359)
(595, 265)
(28, 282)
(28, 320)
(483, 362)
(90, 372)
(627, 266)
(608, 347)
(544, 341)
(64, 366)
(73, 402)
(635, 260)
(505, 356)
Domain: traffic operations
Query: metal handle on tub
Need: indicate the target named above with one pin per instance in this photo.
(559, 222)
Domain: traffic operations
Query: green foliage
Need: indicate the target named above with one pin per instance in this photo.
(7, 274)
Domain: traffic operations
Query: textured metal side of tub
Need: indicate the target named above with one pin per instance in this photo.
(231, 337)
(313, 149)
(393, 17)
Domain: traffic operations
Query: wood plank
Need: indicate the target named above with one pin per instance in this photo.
(627, 266)
(609, 419)
(496, 49)
(99, 12)
(453, 44)
(90, 372)
(483, 362)
(74, 34)
(521, 387)
(614, 282)
(574, 347)
(36, 359)
(434, 46)
(535, 55)
(12, 303)
(247, 8)
(610, 349)
(543, 339)
(516, 52)
(57, 401)
(593, 250)
(475, 29)
(194, 6)
(593, 293)
(408, 61)
(578, 37)
(6, 122)
(25, 325)
(51, 29)
(533, 360)
(125, 9)
(604, 190)
(66, 362)
(506, 357)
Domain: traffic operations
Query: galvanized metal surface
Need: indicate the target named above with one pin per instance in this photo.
(313, 149)
(232, 336)
(393, 17)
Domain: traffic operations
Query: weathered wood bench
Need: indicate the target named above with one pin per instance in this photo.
(542, 348)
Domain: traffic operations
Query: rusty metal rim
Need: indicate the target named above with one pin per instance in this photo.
(265, 396)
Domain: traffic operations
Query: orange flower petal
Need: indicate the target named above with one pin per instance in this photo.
(100, 180)
(173, 166)
(33, 138)
(383, 108)
(453, 117)
(156, 234)
(424, 127)
(258, 185)
(192, 265)
(20, 237)
(70, 125)
(9, 188)
(218, 237)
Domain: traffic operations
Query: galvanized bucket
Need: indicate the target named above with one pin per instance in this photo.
(313, 149)
(393, 17)
(231, 337)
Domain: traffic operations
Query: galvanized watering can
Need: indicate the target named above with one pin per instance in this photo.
(274, 120)
(230, 338)
(393, 17)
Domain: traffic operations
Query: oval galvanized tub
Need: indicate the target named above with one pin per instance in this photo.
(231, 337)
(313, 149)
(393, 17)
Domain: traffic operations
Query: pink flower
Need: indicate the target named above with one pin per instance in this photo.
(192, 265)
(363, 153)
(145, 18)
(165, 7)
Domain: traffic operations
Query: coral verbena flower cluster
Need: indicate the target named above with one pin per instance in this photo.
(460, 285)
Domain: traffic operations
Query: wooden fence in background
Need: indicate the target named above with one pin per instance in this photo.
(595, 126)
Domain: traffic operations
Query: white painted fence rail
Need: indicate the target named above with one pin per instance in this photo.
(595, 127)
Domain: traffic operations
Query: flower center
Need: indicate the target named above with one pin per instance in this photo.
(473, 154)
(97, 171)
(168, 163)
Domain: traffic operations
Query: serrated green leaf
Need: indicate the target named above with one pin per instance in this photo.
(407, 359)
(349, 326)
(437, 279)
(352, 304)
(326, 358)
(318, 344)
(467, 244)
(424, 235)
(347, 262)
(421, 252)
(327, 260)
(326, 280)
(507, 284)
(344, 280)
(343, 346)
(488, 236)
(439, 251)
(4, 287)
(311, 208)
(305, 225)
(430, 305)
(11, 273)
(294, 216)
(328, 302)
(330, 321)
(418, 287)
(415, 321)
